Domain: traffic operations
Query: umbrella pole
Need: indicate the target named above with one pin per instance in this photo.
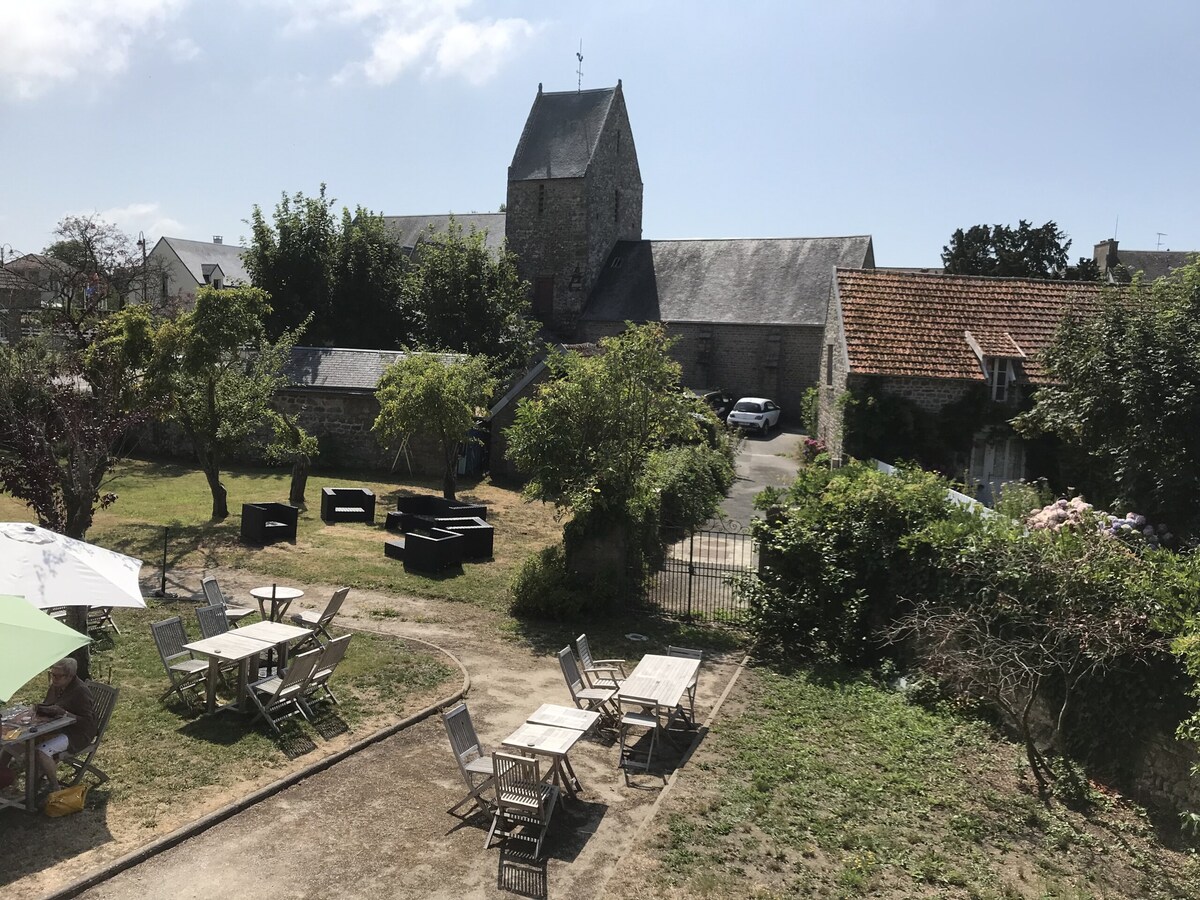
(162, 593)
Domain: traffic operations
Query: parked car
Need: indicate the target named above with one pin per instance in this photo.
(721, 402)
(755, 414)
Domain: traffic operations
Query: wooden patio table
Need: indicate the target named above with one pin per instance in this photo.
(551, 741)
(25, 726)
(662, 678)
(279, 597)
(232, 646)
(278, 634)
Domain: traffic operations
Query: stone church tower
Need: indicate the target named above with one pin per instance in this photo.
(574, 190)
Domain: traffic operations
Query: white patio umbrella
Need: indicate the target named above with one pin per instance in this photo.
(48, 569)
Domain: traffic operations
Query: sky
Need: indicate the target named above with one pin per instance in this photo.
(902, 119)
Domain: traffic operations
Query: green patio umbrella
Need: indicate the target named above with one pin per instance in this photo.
(30, 642)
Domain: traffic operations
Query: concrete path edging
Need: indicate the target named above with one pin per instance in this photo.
(217, 816)
(701, 733)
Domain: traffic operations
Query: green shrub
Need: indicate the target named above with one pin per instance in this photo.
(833, 561)
(543, 589)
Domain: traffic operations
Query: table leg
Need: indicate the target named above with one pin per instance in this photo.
(243, 680)
(210, 688)
(573, 780)
(30, 775)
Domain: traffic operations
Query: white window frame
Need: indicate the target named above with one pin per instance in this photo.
(1000, 376)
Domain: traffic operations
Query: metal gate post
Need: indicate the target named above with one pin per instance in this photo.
(691, 571)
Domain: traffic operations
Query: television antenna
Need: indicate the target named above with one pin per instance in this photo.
(579, 68)
(1161, 235)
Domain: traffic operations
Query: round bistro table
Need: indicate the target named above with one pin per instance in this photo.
(278, 596)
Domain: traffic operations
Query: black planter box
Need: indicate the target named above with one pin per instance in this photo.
(439, 507)
(265, 523)
(347, 505)
(432, 550)
(477, 535)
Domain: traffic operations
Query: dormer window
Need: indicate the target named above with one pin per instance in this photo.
(1000, 376)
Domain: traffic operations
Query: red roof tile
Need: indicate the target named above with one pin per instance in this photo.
(908, 324)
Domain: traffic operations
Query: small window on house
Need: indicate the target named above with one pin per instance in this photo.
(829, 364)
(618, 141)
(999, 377)
(217, 283)
(616, 206)
(616, 263)
(165, 288)
(541, 198)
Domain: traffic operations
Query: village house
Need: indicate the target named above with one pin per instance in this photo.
(963, 348)
(181, 267)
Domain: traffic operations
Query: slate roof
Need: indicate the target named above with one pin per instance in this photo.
(196, 254)
(1153, 263)
(341, 368)
(906, 324)
(560, 134)
(783, 281)
(409, 230)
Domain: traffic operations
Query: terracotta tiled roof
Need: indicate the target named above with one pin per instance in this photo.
(907, 324)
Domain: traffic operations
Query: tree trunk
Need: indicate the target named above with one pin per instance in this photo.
(450, 480)
(77, 618)
(300, 469)
(220, 507)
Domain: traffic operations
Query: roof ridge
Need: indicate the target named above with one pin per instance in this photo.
(949, 276)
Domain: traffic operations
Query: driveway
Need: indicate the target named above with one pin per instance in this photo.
(762, 462)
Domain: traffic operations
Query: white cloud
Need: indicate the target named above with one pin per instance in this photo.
(184, 50)
(436, 37)
(147, 218)
(51, 42)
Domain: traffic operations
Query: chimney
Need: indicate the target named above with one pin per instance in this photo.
(1105, 254)
(216, 239)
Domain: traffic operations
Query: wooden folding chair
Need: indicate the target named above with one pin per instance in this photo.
(637, 713)
(691, 689)
(319, 622)
(601, 673)
(523, 801)
(274, 693)
(474, 762)
(185, 671)
(213, 620)
(104, 700)
(212, 593)
(330, 658)
(597, 699)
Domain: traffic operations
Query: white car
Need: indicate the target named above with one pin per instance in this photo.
(755, 413)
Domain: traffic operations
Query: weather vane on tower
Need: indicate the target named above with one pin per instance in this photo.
(579, 70)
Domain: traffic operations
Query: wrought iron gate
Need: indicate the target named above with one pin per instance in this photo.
(696, 578)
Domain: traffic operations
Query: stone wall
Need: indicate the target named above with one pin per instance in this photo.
(341, 422)
(564, 228)
(777, 362)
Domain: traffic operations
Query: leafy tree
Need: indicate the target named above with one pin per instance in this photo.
(424, 393)
(1021, 252)
(346, 273)
(591, 443)
(220, 372)
(461, 298)
(71, 396)
(1126, 399)
(292, 444)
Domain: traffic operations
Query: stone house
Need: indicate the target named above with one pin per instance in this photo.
(934, 340)
(1119, 267)
(331, 394)
(182, 267)
(748, 313)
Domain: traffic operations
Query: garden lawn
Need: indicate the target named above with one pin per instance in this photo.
(169, 765)
(828, 786)
(151, 495)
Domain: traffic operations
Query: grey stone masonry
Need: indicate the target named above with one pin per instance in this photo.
(562, 226)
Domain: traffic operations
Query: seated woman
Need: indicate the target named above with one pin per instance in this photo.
(66, 694)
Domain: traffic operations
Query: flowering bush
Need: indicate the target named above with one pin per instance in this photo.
(813, 447)
(1131, 528)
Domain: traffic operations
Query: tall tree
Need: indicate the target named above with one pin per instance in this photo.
(1125, 399)
(428, 394)
(72, 392)
(345, 272)
(461, 297)
(220, 372)
(1021, 252)
(589, 439)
